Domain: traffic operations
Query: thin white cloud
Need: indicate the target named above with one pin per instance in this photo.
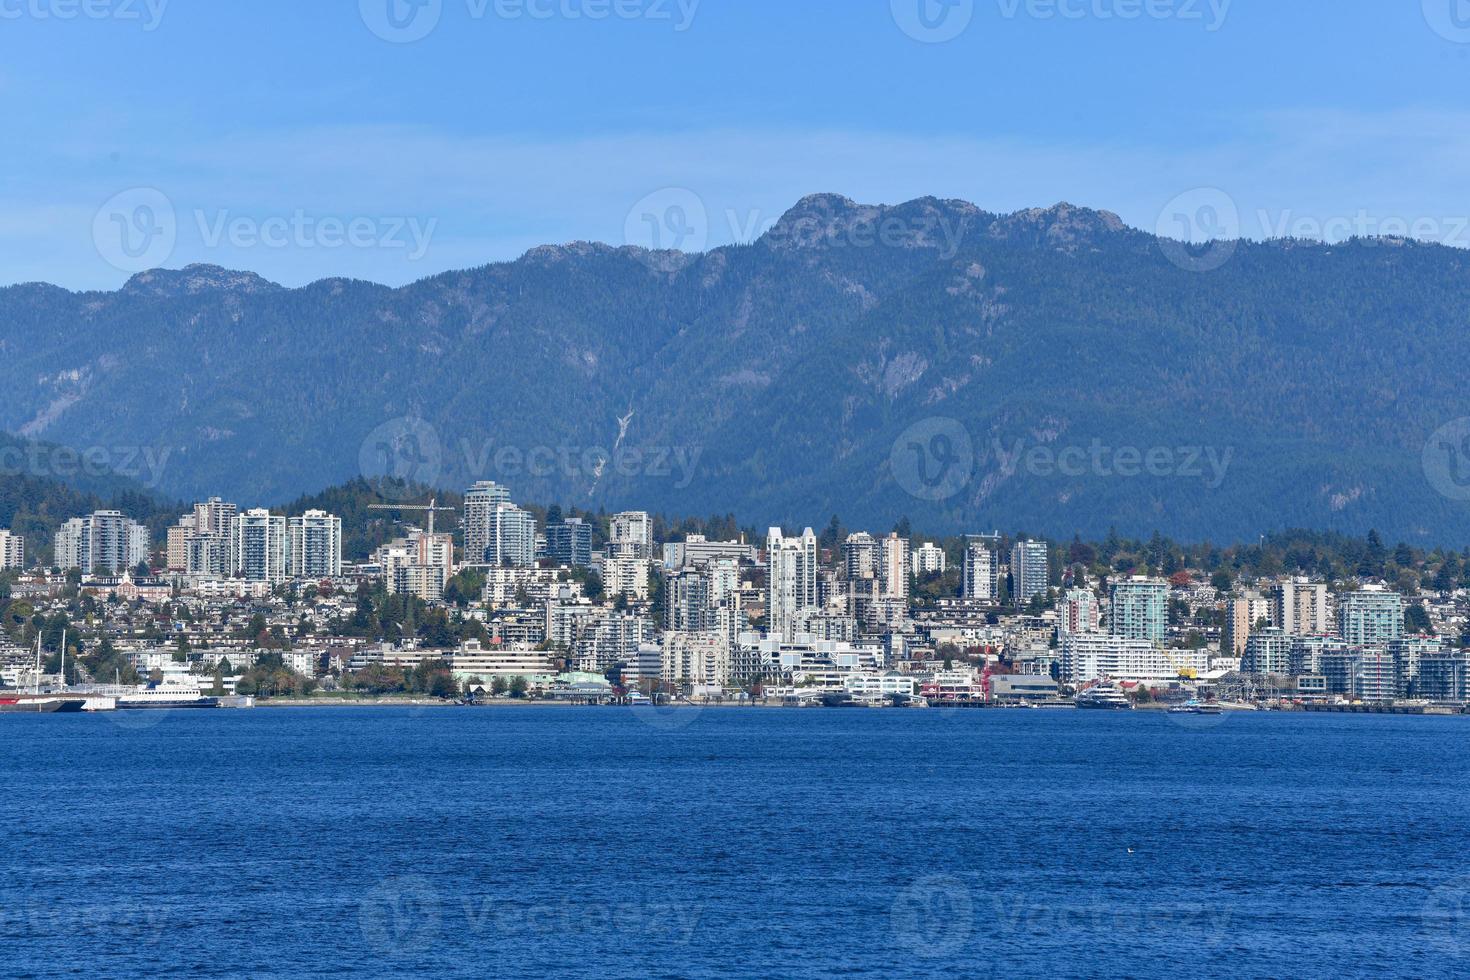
(491, 197)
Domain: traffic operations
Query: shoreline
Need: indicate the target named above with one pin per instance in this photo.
(1151, 709)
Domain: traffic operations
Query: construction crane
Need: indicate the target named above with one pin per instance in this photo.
(432, 508)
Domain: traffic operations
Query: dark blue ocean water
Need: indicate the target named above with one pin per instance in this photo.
(600, 842)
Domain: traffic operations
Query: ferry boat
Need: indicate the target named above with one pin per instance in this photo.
(40, 704)
(1107, 697)
(171, 693)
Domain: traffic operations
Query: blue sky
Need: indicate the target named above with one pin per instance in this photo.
(293, 139)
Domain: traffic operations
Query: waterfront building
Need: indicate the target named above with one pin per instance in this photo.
(929, 559)
(1444, 677)
(1370, 616)
(696, 550)
(12, 551)
(419, 564)
(1409, 652)
(644, 668)
(1307, 651)
(873, 686)
(214, 518)
(1243, 615)
(101, 543)
(625, 577)
(826, 624)
(474, 663)
(176, 548)
(207, 555)
(1088, 657)
(860, 557)
(1267, 651)
(700, 659)
(1077, 612)
(608, 640)
(315, 548)
(1299, 607)
(982, 568)
(525, 588)
(688, 602)
(480, 502)
(893, 569)
(510, 537)
(1139, 609)
(631, 536)
(1377, 677)
(757, 656)
(1030, 570)
(261, 546)
(569, 542)
(791, 578)
(1361, 673)
(566, 617)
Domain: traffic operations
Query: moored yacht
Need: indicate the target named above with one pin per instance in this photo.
(1105, 697)
(40, 704)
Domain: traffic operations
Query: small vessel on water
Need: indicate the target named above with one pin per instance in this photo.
(40, 704)
(1196, 707)
(1107, 697)
(172, 692)
(36, 703)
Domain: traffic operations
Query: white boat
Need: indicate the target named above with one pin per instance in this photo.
(172, 692)
(1107, 697)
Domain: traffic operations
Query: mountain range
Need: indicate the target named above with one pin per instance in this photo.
(1051, 371)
